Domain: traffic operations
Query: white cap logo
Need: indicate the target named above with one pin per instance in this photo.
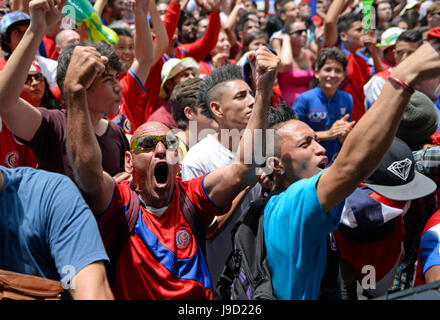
(401, 168)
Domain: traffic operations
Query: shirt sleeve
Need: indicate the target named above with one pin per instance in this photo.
(372, 90)
(429, 248)
(200, 48)
(195, 190)
(72, 232)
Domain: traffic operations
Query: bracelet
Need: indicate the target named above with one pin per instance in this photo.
(402, 84)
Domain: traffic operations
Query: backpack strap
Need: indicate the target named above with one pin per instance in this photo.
(123, 233)
(192, 216)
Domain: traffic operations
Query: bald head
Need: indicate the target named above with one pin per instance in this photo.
(64, 38)
(151, 128)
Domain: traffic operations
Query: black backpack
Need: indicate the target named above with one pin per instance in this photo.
(246, 274)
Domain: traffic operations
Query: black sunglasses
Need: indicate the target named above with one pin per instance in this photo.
(298, 32)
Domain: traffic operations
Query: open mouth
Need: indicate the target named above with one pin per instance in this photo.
(161, 173)
(323, 164)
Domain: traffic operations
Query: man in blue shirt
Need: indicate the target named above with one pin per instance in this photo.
(298, 220)
(47, 230)
(326, 109)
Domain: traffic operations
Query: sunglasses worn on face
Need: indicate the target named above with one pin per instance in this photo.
(148, 143)
(31, 77)
(299, 32)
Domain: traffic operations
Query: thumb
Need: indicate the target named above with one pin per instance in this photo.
(345, 117)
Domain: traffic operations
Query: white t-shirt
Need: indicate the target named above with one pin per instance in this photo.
(204, 157)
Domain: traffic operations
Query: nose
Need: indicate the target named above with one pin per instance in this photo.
(319, 149)
(160, 150)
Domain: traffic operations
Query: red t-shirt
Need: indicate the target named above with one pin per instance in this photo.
(161, 259)
(12, 153)
(358, 74)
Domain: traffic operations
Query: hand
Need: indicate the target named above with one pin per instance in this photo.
(45, 14)
(219, 59)
(141, 7)
(209, 5)
(85, 65)
(341, 128)
(264, 65)
(369, 41)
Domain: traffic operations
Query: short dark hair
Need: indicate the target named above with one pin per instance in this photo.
(186, 94)
(123, 32)
(64, 59)
(331, 53)
(282, 113)
(244, 19)
(216, 77)
(411, 36)
(346, 21)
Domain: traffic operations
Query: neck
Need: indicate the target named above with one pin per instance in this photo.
(99, 123)
(329, 93)
(296, 51)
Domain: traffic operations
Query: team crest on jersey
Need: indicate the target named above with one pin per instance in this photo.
(12, 159)
(183, 238)
(127, 125)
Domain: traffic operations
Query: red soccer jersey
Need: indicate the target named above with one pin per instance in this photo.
(161, 259)
(12, 153)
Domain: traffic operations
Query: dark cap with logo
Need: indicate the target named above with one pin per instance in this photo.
(396, 178)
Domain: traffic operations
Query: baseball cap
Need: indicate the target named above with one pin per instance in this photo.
(389, 37)
(173, 67)
(411, 4)
(13, 18)
(396, 178)
(35, 67)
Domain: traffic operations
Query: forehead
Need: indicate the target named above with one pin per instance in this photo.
(332, 63)
(404, 45)
(151, 128)
(297, 25)
(291, 5)
(356, 25)
(234, 86)
(295, 130)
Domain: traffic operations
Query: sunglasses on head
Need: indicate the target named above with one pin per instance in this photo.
(299, 32)
(148, 143)
(31, 77)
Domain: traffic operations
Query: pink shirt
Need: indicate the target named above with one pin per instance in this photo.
(294, 82)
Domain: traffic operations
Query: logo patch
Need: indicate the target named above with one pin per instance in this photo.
(12, 159)
(183, 237)
(401, 168)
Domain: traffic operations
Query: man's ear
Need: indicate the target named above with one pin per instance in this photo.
(275, 165)
(189, 113)
(216, 109)
(128, 162)
(343, 35)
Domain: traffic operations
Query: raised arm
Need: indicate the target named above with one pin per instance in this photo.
(224, 184)
(286, 57)
(81, 143)
(200, 48)
(20, 117)
(162, 40)
(330, 22)
(231, 23)
(99, 6)
(370, 139)
(143, 40)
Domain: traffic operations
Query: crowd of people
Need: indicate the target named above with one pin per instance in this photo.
(129, 164)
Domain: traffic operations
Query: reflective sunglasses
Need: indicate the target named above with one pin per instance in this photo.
(299, 32)
(148, 143)
(31, 77)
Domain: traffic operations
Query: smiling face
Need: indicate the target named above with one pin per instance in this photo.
(301, 154)
(330, 77)
(125, 51)
(154, 172)
(223, 46)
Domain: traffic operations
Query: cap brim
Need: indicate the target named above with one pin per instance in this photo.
(421, 186)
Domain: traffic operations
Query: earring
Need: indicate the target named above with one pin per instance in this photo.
(281, 172)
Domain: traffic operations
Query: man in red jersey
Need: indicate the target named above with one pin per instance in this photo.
(161, 258)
